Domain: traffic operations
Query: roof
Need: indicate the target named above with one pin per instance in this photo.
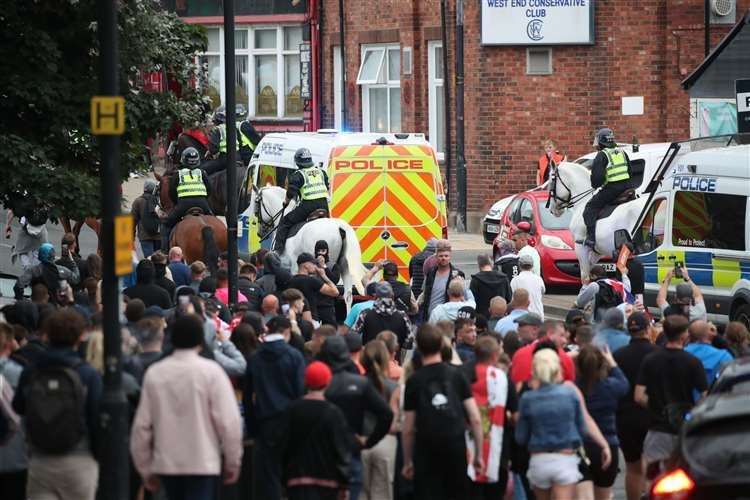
(732, 54)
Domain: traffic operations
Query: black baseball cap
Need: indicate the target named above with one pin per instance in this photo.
(574, 315)
(529, 319)
(467, 312)
(637, 322)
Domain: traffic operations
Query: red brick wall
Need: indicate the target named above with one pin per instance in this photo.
(643, 48)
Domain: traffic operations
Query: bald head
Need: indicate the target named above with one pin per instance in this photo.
(498, 307)
(270, 304)
(175, 254)
(520, 299)
(700, 332)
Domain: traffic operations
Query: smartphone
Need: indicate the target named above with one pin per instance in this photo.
(678, 269)
(285, 308)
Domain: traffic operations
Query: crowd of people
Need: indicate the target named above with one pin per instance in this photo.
(446, 386)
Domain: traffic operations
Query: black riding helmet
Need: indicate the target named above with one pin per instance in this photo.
(220, 115)
(303, 158)
(605, 138)
(190, 158)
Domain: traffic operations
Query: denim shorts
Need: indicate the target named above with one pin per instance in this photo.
(546, 469)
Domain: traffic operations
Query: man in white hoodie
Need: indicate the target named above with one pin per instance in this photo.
(458, 296)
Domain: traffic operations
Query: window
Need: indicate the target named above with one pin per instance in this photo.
(267, 70)
(436, 97)
(650, 234)
(526, 212)
(380, 78)
(709, 220)
(538, 61)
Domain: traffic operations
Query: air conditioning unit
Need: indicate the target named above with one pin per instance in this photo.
(723, 11)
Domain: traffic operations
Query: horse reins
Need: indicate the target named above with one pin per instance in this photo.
(271, 223)
(562, 202)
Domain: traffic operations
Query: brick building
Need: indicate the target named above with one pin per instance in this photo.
(516, 96)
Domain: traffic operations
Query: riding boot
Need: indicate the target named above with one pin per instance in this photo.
(280, 238)
(590, 237)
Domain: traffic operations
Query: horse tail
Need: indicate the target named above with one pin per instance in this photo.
(350, 259)
(210, 249)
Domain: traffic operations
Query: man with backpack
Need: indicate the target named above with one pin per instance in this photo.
(438, 402)
(145, 219)
(59, 397)
(602, 293)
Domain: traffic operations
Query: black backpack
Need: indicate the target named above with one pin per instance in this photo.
(440, 413)
(150, 219)
(55, 402)
(606, 297)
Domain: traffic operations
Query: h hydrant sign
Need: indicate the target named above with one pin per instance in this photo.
(537, 22)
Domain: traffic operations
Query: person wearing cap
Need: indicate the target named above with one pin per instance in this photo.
(632, 418)
(158, 445)
(521, 238)
(612, 331)
(354, 344)
(402, 294)
(519, 306)
(274, 378)
(457, 293)
(416, 266)
(507, 259)
(316, 454)
(688, 297)
(356, 396)
(532, 283)
(145, 220)
(528, 328)
(383, 315)
(312, 281)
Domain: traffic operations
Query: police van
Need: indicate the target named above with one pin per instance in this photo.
(386, 186)
(697, 215)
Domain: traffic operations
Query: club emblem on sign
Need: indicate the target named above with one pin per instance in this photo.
(534, 29)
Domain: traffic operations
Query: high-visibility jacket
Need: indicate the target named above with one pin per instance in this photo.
(542, 173)
(190, 183)
(314, 187)
(243, 140)
(617, 166)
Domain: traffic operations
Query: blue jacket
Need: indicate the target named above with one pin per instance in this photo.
(465, 352)
(602, 401)
(90, 379)
(180, 273)
(711, 358)
(274, 378)
(614, 338)
(550, 419)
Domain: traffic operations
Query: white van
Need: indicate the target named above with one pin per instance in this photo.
(698, 216)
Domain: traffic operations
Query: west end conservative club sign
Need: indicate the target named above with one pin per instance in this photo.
(537, 22)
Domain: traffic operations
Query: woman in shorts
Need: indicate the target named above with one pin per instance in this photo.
(551, 425)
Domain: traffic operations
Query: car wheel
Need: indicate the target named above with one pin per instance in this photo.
(742, 314)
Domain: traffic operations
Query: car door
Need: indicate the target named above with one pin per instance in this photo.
(649, 241)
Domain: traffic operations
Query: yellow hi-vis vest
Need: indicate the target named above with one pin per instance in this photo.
(241, 138)
(617, 166)
(191, 183)
(314, 187)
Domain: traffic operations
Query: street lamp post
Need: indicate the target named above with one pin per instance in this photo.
(460, 160)
(231, 124)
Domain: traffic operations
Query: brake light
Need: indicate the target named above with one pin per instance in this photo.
(675, 485)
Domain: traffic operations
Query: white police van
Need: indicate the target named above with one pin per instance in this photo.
(698, 216)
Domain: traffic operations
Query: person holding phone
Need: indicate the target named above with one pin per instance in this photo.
(688, 300)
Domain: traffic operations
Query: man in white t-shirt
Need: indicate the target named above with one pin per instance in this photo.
(532, 283)
(521, 240)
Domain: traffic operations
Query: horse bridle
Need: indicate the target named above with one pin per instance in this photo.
(266, 228)
(563, 203)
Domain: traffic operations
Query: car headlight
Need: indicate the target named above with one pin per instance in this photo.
(554, 242)
(493, 213)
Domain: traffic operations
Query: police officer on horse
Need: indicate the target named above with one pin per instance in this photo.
(310, 184)
(188, 189)
(247, 139)
(610, 171)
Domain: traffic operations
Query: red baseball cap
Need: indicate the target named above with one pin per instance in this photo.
(317, 375)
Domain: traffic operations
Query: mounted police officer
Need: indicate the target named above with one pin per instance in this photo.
(188, 189)
(247, 139)
(310, 184)
(610, 171)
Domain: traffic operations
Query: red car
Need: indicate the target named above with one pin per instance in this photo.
(549, 235)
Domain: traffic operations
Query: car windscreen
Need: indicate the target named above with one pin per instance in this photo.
(720, 449)
(549, 221)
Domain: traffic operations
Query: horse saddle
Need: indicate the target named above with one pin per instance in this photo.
(624, 197)
(318, 213)
(196, 211)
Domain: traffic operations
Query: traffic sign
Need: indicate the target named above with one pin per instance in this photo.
(107, 115)
(123, 245)
(742, 89)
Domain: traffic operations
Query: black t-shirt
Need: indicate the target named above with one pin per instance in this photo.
(629, 359)
(670, 377)
(334, 274)
(310, 287)
(438, 372)
(150, 294)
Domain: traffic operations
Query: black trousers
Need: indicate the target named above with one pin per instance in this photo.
(440, 471)
(178, 212)
(215, 165)
(299, 214)
(604, 197)
(267, 460)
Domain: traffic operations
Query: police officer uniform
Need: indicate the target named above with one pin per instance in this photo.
(247, 139)
(310, 184)
(188, 189)
(610, 171)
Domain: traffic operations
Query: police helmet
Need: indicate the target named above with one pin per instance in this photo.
(605, 138)
(303, 158)
(190, 158)
(220, 115)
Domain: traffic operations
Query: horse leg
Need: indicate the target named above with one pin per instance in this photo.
(94, 224)
(584, 262)
(65, 222)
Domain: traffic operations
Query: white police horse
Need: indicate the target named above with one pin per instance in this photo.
(570, 188)
(343, 245)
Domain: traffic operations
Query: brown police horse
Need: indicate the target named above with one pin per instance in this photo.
(201, 237)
